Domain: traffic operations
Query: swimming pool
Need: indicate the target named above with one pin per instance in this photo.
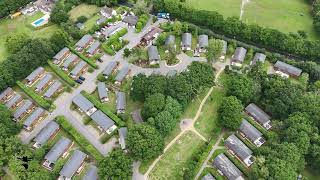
(41, 21)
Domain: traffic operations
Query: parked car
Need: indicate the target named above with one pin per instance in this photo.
(100, 60)
(78, 81)
(81, 78)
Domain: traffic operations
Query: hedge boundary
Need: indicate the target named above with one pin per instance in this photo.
(92, 64)
(61, 74)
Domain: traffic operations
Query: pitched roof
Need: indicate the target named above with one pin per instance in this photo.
(91, 174)
(110, 67)
(34, 116)
(111, 30)
(35, 73)
(203, 41)
(259, 57)
(250, 131)
(224, 47)
(132, 20)
(102, 120)
(84, 40)
(78, 68)
(101, 20)
(238, 147)
(55, 86)
(46, 132)
(73, 164)
(93, 47)
(13, 100)
(208, 177)
(239, 54)
(6, 92)
(257, 113)
(27, 104)
(171, 39)
(83, 103)
(227, 167)
(102, 90)
(122, 74)
(288, 68)
(150, 35)
(121, 100)
(61, 53)
(58, 149)
(107, 10)
(186, 39)
(153, 53)
(44, 81)
(123, 132)
(72, 58)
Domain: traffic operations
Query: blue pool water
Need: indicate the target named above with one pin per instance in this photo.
(39, 21)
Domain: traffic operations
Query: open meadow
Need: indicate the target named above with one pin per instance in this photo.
(284, 15)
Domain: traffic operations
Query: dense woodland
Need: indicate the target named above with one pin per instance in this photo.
(10, 6)
(315, 13)
(272, 39)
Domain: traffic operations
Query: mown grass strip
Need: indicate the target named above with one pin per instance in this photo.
(61, 74)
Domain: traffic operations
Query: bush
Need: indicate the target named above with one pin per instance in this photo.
(87, 120)
(82, 19)
(103, 108)
(92, 64)
(105, 138)
(82, 141)
(90, 70)
(107, 49)
(61, 74)
(37, 98)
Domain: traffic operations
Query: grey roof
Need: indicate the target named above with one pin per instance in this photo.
(58, 149)
(84, 40)
(34, 116)
(107, 10)
(208, 177)
(227, 167)
(102, 120)
(288, 68)
(102, 90)
(55, 86)
(61, 53)
(257, 113)
(122, 73)
(13, 100)
(110, 67)
(111, 29)
(93, 47)
(46, 132)
(6, 92)
(171, 39)
(203, 41)
(150, 35)
(259, 57)
(101, 20)
(83, 103)
(250, 131)
(172, 73)
(78, 68)
(92, 173)
(35, 73)
(153, 53)
(131, 20)
(72, 58)
(224, 47)
(186, 39)
(240, 54)
(123, 132)
(44, 81)
(27, 104)
(73, 164)
(80, 25)
(121, 100)
(238, 147)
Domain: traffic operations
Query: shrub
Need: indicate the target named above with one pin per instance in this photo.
(37, 98)
(107, 49)
(105, 138)
(87, 120)
(92, 64)
(61, 74)
(82, 19)
(90, 70)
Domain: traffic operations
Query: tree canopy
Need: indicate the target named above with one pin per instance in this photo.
(230, 113)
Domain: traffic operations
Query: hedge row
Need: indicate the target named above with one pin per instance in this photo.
(80, 139)
(92, 64)
(61, 74)
(246, 142)
(37, 98)
(142, 21)
(103, 108)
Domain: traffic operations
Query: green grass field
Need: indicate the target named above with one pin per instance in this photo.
(284, 15)
(83, 10)
(174, 160)
(206, 125)
(22, 24)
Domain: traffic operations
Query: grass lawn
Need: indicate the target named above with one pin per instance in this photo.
(91, 22)
(83, 10)
(174, 160)
(22, 24)
(192, 108)
(207, 122)
(311, 174)
(286, 16)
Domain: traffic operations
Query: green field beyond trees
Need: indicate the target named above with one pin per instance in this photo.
(284, 15)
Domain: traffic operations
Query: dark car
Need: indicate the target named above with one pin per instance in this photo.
(82, 78)
(100, 60)
(78, 81)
